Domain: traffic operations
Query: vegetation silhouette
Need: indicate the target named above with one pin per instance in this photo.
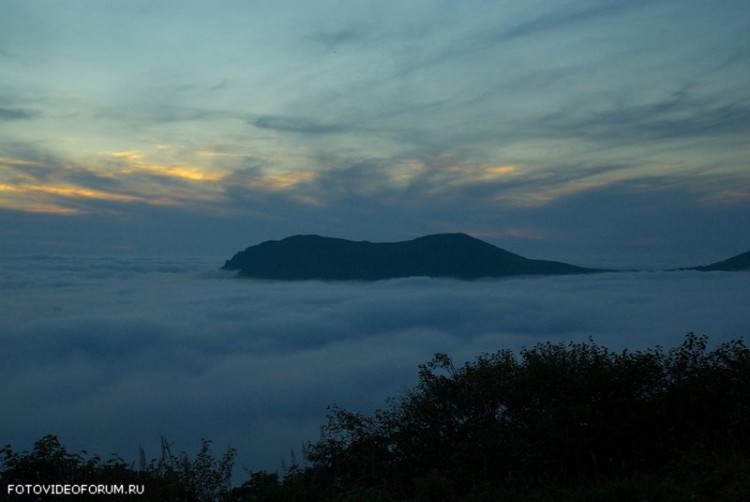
(172, 477)
(571, 421)
(556, 415)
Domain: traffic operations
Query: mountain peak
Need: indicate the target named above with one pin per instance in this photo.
(456, 255)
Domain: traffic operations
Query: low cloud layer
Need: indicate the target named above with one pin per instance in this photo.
(112, 353)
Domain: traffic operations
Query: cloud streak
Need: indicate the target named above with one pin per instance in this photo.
(17, 114)
(300, 125)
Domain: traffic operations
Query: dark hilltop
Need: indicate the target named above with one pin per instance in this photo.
(733, 264)
(457, 255)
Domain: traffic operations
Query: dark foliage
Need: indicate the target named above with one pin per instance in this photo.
(555, 415)
(173, 477)
(553, 422)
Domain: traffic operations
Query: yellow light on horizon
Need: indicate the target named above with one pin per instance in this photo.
(69, 192)
(30, 206)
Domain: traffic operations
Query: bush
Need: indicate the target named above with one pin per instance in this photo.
(553, 415)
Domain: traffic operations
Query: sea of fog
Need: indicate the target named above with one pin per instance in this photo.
(111, 354)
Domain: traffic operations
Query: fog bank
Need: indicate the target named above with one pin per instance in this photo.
(110, 354)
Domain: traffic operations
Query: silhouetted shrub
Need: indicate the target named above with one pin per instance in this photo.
(553, 422)
(554, 414)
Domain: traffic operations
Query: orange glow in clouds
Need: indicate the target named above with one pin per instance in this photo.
(133, 162)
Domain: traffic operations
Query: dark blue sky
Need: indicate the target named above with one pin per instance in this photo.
(600, 129)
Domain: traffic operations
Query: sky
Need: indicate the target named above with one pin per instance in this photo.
(594, 131)
(110, 354)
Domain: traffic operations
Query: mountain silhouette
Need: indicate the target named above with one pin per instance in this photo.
(735, 263)
(458, 255)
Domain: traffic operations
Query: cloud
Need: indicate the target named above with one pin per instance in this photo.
(567, 16)
(112, 353)
(599, 209)
(8, 114)
(336, 39)
(300, 125)
(38, 182)
(681, 116)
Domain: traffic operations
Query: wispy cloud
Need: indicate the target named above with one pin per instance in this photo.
(378, 113)
(54, 185)
(130, 162)
(18, 113)
(564, 17)
(681, 116)
(335, 39)
(300, 125)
